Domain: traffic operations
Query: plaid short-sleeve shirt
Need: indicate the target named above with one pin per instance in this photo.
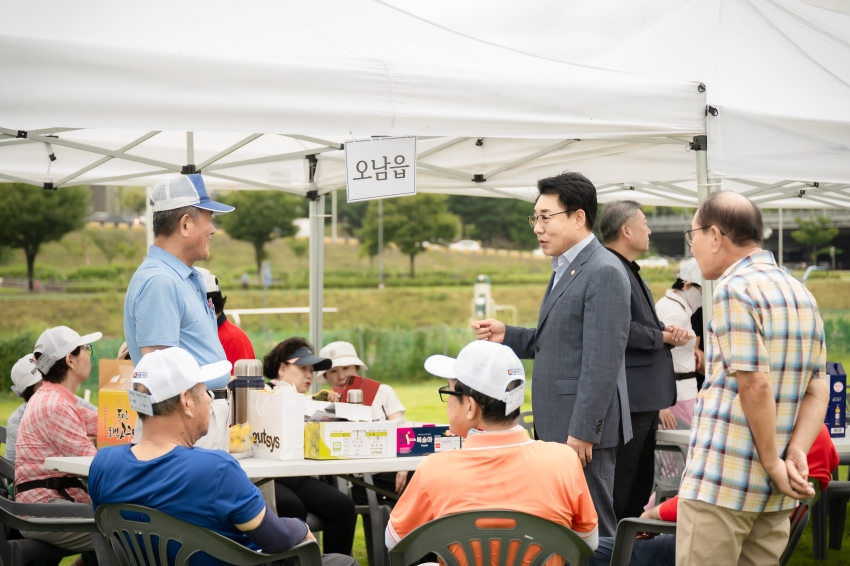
(763, 320)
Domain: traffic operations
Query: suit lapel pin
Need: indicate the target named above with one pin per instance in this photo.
(573, 272)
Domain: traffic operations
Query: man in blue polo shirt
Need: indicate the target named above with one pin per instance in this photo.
(166, 303)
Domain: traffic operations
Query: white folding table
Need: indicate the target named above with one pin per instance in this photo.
(259, 469)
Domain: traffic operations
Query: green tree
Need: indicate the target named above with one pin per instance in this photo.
(113, 242)
(132, 198)
(495, 220)
(816, 233)
(30, 217)
(259, 217)
(408, 222)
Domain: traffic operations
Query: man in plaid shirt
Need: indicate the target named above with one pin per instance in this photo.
(763, 401)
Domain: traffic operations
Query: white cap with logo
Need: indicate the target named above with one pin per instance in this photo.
(24, 374)
(486, 367)
(56, 343)
(168, 373)
(210, 280)
(184, 190)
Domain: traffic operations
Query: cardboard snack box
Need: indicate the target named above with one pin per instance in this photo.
(116, 422)
(349, 441)
(418, 439)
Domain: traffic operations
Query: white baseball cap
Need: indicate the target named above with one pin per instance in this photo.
(210, 280)
(689, 271)
(341, 354)
(185, 190)
(56, 343)
(168, 373)
(486, 367)
(24, 374)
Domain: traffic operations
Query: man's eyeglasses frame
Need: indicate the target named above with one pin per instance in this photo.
(444, 390)
(544, 218)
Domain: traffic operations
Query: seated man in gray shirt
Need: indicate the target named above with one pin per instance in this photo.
(26, 381)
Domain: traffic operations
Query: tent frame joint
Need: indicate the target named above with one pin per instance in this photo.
(700, 143)
(478, 178)
(49, 187)
(22, 134)
(189, 169)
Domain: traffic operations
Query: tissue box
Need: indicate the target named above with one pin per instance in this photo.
(416, 439)
(349, 441)
(836, 416)
(116, 421)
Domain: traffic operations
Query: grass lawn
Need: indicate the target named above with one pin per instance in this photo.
(423, 404)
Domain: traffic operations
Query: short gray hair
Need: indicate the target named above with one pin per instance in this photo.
(166, 222)
(163, 408)
(613, 216)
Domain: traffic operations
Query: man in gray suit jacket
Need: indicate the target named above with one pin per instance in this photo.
(579, 391)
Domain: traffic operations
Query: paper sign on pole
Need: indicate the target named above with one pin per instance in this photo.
(380, 168)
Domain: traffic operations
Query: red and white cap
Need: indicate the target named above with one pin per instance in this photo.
(486, 367)
(168, 373)
(56, 343)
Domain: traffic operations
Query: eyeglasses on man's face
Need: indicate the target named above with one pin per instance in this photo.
(445, 393)
(689, 234)
(88, 348)
(544, 218)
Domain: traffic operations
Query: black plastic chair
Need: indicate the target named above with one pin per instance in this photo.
(46, 517)
(375, 518)
(506, 537)
(829, 511)
(138, 543)
(627, 529)
(7, 468)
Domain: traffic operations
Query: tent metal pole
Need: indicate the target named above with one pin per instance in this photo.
(380, 244)
(334, 199)
(317, 257)
(781, 256)
(103, 160)
(190, 148)
(704, 189)
(317, 252)
(148, 218)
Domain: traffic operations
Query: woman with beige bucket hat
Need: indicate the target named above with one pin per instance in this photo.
(385, 407)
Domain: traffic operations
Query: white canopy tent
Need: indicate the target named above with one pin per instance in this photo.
(262, 95)
(777, 74)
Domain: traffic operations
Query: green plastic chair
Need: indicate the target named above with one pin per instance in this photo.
(127, 535)
(510, 536)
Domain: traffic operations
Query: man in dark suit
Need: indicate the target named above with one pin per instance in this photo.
(649, 363)
(579, 395)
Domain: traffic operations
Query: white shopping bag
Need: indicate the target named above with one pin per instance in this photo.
(277, 420)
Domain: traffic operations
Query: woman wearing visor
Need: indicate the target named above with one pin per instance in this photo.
(290, 366)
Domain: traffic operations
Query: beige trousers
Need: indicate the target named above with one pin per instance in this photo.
(707, 535)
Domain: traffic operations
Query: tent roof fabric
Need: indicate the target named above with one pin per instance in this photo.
(332, 68)
(778, 71)
(135, 78)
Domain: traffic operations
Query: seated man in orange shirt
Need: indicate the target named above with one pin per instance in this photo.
(499, 467)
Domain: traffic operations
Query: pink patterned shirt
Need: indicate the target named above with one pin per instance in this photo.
(53, 425)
